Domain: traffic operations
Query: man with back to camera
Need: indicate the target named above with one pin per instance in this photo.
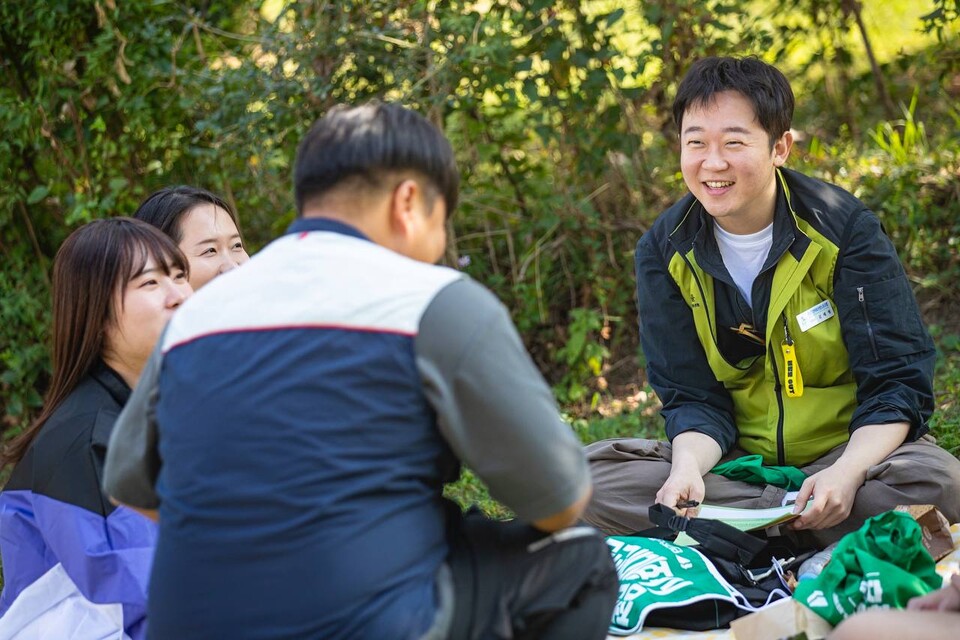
(296, 426)
(776, 319)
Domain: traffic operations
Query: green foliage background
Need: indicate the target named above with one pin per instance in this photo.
(559, 112)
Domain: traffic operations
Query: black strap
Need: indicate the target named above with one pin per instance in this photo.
(715, 537)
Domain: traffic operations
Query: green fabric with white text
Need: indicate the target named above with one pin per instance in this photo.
(655, 574)
(881, 565)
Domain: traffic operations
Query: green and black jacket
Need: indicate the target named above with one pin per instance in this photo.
(717, 363)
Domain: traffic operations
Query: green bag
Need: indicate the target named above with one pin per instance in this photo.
(882, 565)
(655, 574)
(751, 469)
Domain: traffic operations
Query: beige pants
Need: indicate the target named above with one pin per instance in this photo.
(628, 472)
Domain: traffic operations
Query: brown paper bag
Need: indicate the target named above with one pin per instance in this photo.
(936, 530)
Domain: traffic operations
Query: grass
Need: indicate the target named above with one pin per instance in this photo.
(945, 424)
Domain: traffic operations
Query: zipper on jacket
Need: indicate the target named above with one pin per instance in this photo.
(778, 389)
(703, 297)
(866, 317)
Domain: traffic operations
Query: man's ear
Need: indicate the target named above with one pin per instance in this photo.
(403, 205)
(781, 148)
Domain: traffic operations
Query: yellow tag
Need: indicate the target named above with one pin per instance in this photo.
(793, 381)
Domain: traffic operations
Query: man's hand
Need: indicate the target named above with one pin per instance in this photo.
(566, 518)
(833, 491)
(681, 485)
(694, 454)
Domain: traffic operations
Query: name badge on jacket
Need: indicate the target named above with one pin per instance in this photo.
(815, 315)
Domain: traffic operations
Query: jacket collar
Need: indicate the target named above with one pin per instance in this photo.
(111, 381)
(695, 232)
(307, 225)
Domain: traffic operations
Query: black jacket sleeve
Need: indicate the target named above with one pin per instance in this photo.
(891, 353)
(677, 367)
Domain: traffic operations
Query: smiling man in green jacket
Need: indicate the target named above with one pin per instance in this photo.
(777, 320)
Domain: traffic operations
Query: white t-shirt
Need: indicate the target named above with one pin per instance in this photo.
(744, 255)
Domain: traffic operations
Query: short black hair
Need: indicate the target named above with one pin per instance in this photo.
(164, 208)
(760, 83)
(365, 142)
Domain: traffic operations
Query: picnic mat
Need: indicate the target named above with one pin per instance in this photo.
(946, 567)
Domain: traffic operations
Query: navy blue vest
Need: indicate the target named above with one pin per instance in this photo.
(302, 467)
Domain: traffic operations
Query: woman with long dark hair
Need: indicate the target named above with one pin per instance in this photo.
(202, 224)
(74, 564)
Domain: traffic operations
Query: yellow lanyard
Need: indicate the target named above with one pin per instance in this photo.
(792, 379)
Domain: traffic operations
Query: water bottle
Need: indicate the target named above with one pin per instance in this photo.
(813, 565)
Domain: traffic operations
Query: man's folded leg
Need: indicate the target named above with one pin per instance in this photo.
(513, 581)
(919, 472)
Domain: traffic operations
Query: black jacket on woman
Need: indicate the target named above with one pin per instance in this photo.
(71, 559)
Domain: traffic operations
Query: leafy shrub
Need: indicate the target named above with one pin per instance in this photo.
(559, 112)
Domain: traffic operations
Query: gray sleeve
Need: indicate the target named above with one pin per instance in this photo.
(493, 406)
(133, 461)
